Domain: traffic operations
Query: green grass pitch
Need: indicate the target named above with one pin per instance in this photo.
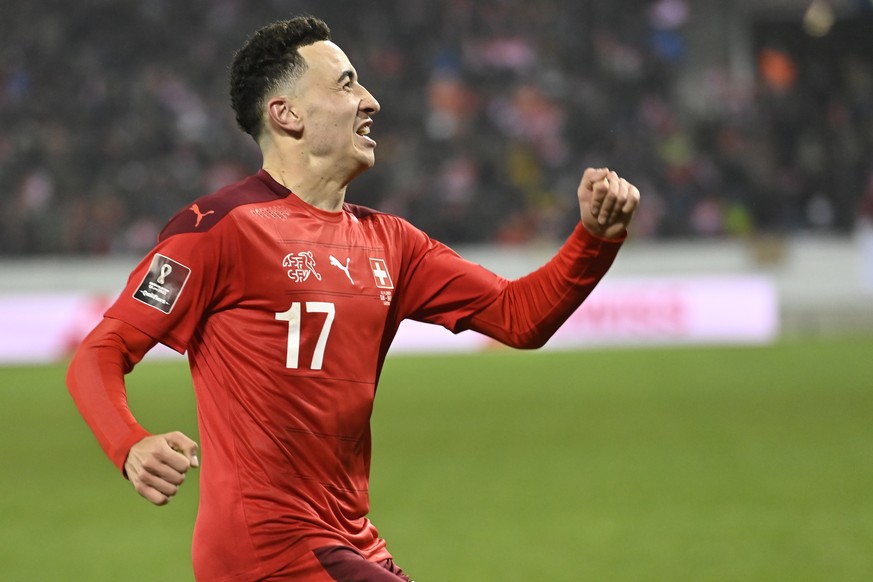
(704, 464)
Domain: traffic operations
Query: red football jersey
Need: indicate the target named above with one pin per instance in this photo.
(286, 313)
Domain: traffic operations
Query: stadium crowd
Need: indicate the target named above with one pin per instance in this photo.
(115, 115)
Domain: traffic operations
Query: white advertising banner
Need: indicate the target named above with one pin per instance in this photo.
(36, 328)
(640, 312)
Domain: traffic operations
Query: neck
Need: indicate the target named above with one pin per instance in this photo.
(307, 177)
(313, 188)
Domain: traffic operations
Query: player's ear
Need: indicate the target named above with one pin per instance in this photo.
(285, 114)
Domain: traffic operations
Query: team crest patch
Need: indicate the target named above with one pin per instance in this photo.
(300, 266)
(163, 284)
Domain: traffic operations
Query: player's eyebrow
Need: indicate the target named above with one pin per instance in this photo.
(347, 74)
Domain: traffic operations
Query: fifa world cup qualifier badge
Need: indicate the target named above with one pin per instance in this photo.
(163, 283)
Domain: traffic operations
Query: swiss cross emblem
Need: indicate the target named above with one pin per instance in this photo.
(380, 274)
(300, 266)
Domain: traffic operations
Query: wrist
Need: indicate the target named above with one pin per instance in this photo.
(614, 233)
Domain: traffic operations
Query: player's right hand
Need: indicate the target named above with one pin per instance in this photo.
(156, 465)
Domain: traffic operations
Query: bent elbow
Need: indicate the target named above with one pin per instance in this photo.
(527, 341)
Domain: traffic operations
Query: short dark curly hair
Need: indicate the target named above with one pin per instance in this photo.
(267, 61)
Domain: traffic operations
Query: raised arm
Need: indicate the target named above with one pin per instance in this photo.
(530, 310)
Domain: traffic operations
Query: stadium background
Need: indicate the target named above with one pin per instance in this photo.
(747, 125)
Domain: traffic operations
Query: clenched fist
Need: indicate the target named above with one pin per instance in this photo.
(156, 465)
(607, 202)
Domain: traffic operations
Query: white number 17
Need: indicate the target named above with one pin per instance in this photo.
(292, 316)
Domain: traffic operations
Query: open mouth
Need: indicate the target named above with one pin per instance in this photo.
(364, 131)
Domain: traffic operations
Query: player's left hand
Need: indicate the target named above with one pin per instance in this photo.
(607, 203)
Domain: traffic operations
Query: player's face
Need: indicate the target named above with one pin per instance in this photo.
(337, 109)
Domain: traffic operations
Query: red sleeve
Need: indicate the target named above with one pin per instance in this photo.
(182, 278)
(530, 310)
(440, 287)
(95, 380)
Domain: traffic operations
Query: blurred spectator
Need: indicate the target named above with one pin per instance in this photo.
(115, 115)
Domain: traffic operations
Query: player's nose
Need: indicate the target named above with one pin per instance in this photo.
(369, 104)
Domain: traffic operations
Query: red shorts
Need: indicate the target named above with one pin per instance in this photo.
(339, 564)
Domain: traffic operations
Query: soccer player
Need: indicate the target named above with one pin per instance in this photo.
(286, 299)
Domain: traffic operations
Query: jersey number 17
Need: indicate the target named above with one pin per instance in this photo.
(293, 317)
